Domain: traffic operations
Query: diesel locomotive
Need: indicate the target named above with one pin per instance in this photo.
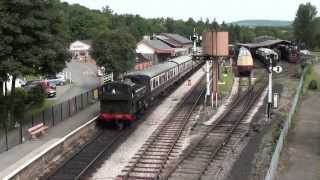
(244, 62)
(122, 100)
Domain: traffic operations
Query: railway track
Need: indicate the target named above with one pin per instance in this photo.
(85, 158)
(165, 142)
(196, 161)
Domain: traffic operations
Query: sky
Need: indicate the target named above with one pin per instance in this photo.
(222, 10)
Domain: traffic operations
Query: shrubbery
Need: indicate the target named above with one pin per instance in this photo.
(36, 96)
(19, 104)
(313, 85)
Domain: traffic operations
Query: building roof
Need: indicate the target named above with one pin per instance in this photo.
(266, 43)
(178, 38)
(169, 41)
(158, 46)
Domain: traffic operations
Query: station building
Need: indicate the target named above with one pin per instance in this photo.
(182, 45)
(154, 50)
(80, 49)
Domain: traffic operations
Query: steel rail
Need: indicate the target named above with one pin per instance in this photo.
(244, 109)
(162, 129)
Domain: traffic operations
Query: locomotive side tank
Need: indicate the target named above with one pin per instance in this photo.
(244, 62)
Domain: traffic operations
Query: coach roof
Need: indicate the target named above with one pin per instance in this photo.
(181, 59)
(154, 70)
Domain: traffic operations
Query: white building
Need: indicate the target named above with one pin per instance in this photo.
(80, 49)
(156, 50)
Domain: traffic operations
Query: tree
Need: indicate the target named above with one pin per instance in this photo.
(303, 24)
(33, 38)
(115, 51)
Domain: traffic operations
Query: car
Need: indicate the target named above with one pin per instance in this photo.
(58, 80)
(51, 92)
(48, 87)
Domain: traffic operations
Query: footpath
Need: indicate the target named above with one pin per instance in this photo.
(300, 159)
(20, 154)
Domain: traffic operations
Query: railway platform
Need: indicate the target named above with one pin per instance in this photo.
(20, 155)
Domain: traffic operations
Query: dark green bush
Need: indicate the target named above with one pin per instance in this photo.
(19, 102)
(313, 85)
(36, 96)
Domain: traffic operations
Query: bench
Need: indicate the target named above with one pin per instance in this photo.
(37, 129)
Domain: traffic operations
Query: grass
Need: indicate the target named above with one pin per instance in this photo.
(311, 75)
(227, 82)
(32, 78)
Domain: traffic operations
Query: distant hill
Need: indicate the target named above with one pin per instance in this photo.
(255, 23)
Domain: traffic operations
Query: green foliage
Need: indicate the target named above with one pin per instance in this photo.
(4, 108)
(227, 78)
(313, 85)
(33, 37)
(310, 75)
(115, 51)
(36, 96)
(19, 101)
(305, 24)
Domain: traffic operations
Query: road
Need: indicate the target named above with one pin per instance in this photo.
(84, 78)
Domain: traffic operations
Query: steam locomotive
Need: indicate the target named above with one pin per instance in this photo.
(122, 100)
(289, 53)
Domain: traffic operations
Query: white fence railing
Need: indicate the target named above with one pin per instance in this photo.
(276, 154)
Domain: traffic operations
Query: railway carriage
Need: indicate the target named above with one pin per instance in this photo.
(264, 55)
(122, 100)
(184, 63)
(156, 78)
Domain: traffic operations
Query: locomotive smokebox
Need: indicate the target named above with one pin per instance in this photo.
(215, 43)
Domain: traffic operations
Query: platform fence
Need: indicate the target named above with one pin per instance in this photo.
(52, 116)
(272, 171)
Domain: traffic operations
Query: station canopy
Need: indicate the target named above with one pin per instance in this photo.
(267, 43)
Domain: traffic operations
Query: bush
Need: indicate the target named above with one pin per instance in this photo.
(313, 85)
(36, 96)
